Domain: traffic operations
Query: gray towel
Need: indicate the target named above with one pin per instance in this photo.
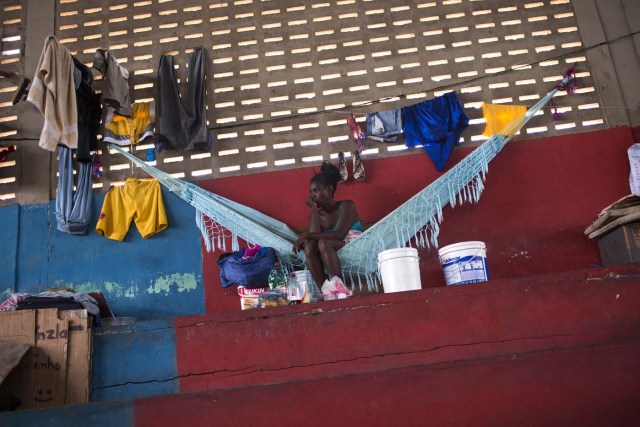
(182, 127)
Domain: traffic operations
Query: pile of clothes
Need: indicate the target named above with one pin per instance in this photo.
(93, 302)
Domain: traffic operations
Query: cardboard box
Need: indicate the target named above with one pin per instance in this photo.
(621, 246)
(57, 369)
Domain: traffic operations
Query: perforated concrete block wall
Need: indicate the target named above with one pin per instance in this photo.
(284, 75)
(11, 55)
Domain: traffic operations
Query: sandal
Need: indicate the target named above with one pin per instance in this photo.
(342, 166)
(358, 167)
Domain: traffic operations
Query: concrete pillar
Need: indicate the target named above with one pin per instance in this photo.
(35, 164)
(614, 65)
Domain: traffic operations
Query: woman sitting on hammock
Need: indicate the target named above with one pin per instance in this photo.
(330, 222)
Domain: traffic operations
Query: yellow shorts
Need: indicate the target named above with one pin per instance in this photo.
(136, 200)
(123, 130)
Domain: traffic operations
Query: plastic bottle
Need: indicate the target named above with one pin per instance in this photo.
(277, 277)
(295, 290)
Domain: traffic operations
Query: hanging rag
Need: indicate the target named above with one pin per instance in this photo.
(499, 116)
(436, 124)
(4, 153)
(356, 132)
(115, 91)
(53, 93)
(384, 126)
(183, 127)
(73, 211)
(89, 111)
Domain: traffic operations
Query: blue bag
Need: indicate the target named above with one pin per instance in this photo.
(251, 273)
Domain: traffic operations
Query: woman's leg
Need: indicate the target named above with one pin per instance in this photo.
(328, 252)
(314, 262)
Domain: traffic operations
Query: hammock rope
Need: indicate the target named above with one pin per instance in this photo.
(415, 223)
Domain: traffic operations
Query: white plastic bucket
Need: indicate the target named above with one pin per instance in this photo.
(400, 270)
(464, 262)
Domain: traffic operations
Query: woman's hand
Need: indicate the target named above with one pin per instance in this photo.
(311, 204)
(297, 246)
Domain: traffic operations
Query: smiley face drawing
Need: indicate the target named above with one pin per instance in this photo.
(44, 396)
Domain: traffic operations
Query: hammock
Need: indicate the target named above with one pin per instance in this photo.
(416, 222)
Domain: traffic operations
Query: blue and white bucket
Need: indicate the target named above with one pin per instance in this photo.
(464, 262)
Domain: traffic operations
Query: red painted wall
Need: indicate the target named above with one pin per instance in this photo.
(540, 196)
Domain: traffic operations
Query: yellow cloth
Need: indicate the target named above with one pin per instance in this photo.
(136, 200)
(499, 116)
(123, 130)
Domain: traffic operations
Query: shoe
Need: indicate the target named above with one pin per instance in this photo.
(342, 166)
(358, 167)
(334, 289)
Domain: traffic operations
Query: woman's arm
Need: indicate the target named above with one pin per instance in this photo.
(314, 218)
(314, 226)
(348, 216)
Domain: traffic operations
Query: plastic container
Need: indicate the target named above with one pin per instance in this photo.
(464, 262)
(312, 292)
(400, 270)
(277, 277)
(295, 290)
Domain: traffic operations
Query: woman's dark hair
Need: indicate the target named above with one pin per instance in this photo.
(328, 175)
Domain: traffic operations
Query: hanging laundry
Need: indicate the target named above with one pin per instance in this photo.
(115, 91)
(73, 211)
(53, 93)
(183, 127)
(435, 124)
(89, 111)
(123, 130)
(137, 200)
(384, 126)
(96, 167)
(356, 132)
(499, 116)
(5, 153)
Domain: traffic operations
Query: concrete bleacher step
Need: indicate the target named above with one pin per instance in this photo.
(591, 385)
(366, 334)
(395, 330)
(411, 337)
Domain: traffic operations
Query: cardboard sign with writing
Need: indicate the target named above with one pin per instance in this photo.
(19, 326)
(56, 371)
(78, 355)
(49, 360)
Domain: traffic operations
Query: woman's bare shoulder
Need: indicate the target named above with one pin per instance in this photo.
(348, 203)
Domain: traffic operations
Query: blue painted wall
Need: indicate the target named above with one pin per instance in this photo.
(134, 361)
(114, 414)
(150, 278)
(9, 224)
